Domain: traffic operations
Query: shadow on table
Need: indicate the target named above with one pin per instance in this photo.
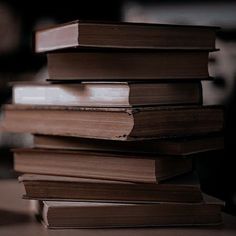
(11, 217)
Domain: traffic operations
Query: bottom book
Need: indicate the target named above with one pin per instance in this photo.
(61, 214)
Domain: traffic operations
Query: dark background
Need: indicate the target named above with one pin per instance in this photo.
(18, 19)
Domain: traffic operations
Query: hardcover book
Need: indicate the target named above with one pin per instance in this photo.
(107, 94)
(114, 123)
(100, 165)
(59, 214)
(126, 65)
(124, 35)
(184, 188)
(177, 146)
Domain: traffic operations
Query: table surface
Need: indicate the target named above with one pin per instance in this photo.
(16, 218)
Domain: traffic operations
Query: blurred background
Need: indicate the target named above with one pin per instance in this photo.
(18, 20)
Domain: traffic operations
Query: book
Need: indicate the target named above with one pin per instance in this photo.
(107, 94)
(184, 188)
(179, 146)
(114, 123)
(124, 35)
(61, 214)
(126, 65)
(95, 165)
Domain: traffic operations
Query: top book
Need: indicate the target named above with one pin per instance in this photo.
(85, 34)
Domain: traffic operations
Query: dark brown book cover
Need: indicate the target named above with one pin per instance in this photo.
(59, 214)
(114, 123)
(124, 35)
(100, 165)
(184, 188)
(126, 65)
(178, 146)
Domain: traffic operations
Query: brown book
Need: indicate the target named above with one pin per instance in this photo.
(59, 214)
(184, 188)
(180, 146)
(100, 165)
(114, 123)
(124, 35)
(107, 94)
(126, 65)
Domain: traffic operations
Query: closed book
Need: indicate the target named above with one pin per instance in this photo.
(114, 123)
(126, 65)
(59, 214)
(100, 165)
(184, 188)
(177, 146)
(124, 35)
(107, 94)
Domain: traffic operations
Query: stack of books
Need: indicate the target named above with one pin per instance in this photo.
(116, 124)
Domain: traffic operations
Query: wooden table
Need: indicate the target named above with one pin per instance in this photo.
(17, 219)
